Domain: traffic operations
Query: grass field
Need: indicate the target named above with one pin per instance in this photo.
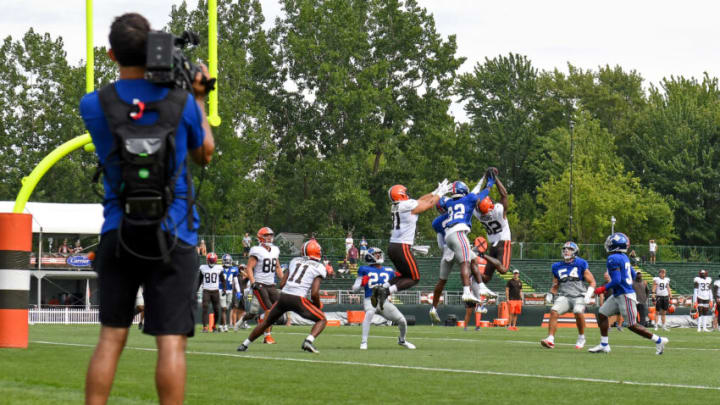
(450, 366)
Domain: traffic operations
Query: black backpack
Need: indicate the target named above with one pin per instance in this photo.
(146, 157)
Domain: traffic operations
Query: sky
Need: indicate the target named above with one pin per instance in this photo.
(657, 38)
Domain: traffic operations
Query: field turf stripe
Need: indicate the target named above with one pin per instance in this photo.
(414, 368)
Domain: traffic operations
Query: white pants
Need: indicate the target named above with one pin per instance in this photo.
(390, 312)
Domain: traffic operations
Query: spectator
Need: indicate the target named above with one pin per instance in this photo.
(363, 247)
(641, 292)
(634, 260)
(348, 243)
(246, 243)
(353, 255)
(514, 296)
(202, 249)
(64, 249)
(653, 251)
(78, 247)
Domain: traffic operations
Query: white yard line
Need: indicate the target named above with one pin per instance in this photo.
(485, 340)
(415, 368)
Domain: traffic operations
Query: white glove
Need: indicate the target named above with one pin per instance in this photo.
(588, 295)
(442, 189)
(549, 298)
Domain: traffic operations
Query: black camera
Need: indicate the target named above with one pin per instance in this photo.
(166, 64)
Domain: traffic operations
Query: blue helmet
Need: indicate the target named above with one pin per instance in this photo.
(573, 249)
(227, 260)
(459, 189)
(617, 242)
(374, 256)
(440, 205)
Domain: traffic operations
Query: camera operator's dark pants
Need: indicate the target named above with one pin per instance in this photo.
(642, 313)
(213, 297)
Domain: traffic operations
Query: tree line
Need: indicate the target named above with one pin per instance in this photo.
(340, 99)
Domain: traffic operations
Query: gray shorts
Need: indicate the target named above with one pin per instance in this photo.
(566, 304)
(226, 301)
(623, 304)
(458, 242)
(389, 312)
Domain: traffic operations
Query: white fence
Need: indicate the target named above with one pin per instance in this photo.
(66, 316)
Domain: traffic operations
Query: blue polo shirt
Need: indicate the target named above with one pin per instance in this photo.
(188, 136)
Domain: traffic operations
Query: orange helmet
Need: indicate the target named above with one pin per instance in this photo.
(485, 205)
(265, 235)
(312, 249)
(397, 193)
(481, 244)
(211, 258)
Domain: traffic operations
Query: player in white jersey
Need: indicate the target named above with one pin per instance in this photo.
(716, 298)
(405, 212)
(211, 276)
(493, 217)
(702, 297)
(263, 265)
(304, 274)
(663, 295)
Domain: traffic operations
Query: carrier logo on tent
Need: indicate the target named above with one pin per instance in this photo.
(79, 261)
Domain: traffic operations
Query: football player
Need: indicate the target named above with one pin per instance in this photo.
(716, 297)
(702, 296)
(459, 210)
(305, 274)
(239, 285)
(230, 272)
(370, 276)
(623, 299)
(405, 212)
(211, 277)
(264, 265)
(663, 295)
(493, 217)
(569, 278)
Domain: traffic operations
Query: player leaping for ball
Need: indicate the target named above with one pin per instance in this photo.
(622, 301)
(493, 216)
(405, 212)
(459, 208)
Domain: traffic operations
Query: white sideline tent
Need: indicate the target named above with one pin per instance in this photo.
(61, 218)
(52, 218)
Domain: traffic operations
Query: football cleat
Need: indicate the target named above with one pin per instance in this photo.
(382, 296)
(434, 317)
(363, 346)
(269, 340)
(482, 309)
(600, 349)
(580, 343)
(656, 327)
(405, 343)
(309, 347)
(242, 348)
(547, 343)
(660, 347)
(470, 297)
(486, 291)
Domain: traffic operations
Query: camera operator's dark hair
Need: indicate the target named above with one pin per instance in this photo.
(128, 39)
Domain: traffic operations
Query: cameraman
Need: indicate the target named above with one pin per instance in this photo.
(169, 284)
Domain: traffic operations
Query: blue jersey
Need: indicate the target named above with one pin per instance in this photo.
(230, 273)
(621, 274)
(570, 277)
(189, 135)
(460, 210)
(376, 276)
(439, 223)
